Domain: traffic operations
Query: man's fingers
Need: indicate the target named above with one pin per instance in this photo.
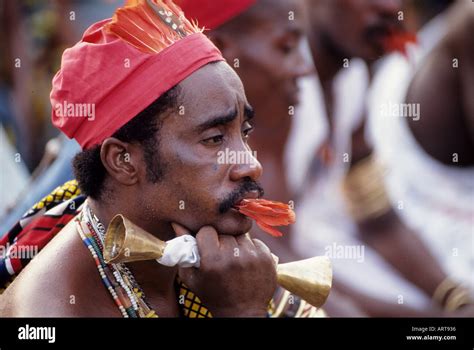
(227, 242)
(207, 239)
(180, 230)
(245, 241)
(261, 246)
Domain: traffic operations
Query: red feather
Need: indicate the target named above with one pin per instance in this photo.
(267, 214)
(151, 25)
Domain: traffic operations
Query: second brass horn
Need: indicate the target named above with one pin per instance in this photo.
(310, 279)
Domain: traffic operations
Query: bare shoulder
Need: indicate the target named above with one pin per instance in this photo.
(61, 281)
(443, 87)
(461, 25)
(460, 41)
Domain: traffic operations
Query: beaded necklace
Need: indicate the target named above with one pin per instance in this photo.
(117, 278)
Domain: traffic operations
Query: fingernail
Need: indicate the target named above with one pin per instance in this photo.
(178, 229)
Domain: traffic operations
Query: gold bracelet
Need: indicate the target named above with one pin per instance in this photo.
(460, 296)
(364, 190)
(442, 290)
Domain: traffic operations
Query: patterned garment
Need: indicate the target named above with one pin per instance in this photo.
(36, 228)
(46, 218)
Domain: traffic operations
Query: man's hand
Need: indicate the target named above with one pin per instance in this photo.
(237, 276)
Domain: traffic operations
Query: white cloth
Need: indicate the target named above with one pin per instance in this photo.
(181, 251)
(323, 222)
(437, 200)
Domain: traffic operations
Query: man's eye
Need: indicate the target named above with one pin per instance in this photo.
(286, 49)
(287, 46)
(247, 132)
(214, 140)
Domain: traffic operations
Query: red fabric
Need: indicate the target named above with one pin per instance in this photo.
(119, 80)
(213, 13)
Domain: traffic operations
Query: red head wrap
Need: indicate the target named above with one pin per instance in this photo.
(124, 64)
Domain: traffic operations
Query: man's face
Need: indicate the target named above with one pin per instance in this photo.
(356, 28)
(200, 184)
(270, 52)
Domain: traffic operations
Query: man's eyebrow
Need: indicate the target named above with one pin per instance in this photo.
(249, 113)
(297, 31)
(225, 119)
(294, 30)
(217, 121)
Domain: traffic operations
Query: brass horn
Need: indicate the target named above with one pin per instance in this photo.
(310, 279)
(125, 242)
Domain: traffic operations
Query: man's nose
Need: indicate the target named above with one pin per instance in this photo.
(247, 167)
(301, 64)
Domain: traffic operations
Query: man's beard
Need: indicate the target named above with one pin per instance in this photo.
(237, 195)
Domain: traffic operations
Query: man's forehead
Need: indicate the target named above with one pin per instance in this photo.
(281, 17)
(212, 89)
(275, 9)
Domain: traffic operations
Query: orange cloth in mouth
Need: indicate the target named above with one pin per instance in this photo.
(398, 41)
(267, 214)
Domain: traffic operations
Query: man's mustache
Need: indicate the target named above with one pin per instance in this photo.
(236, 196)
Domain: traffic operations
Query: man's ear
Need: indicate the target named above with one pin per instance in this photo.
(120, 159)
(225, 44)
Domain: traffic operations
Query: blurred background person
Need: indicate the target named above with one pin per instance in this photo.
(430, 158)
(341, 183)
